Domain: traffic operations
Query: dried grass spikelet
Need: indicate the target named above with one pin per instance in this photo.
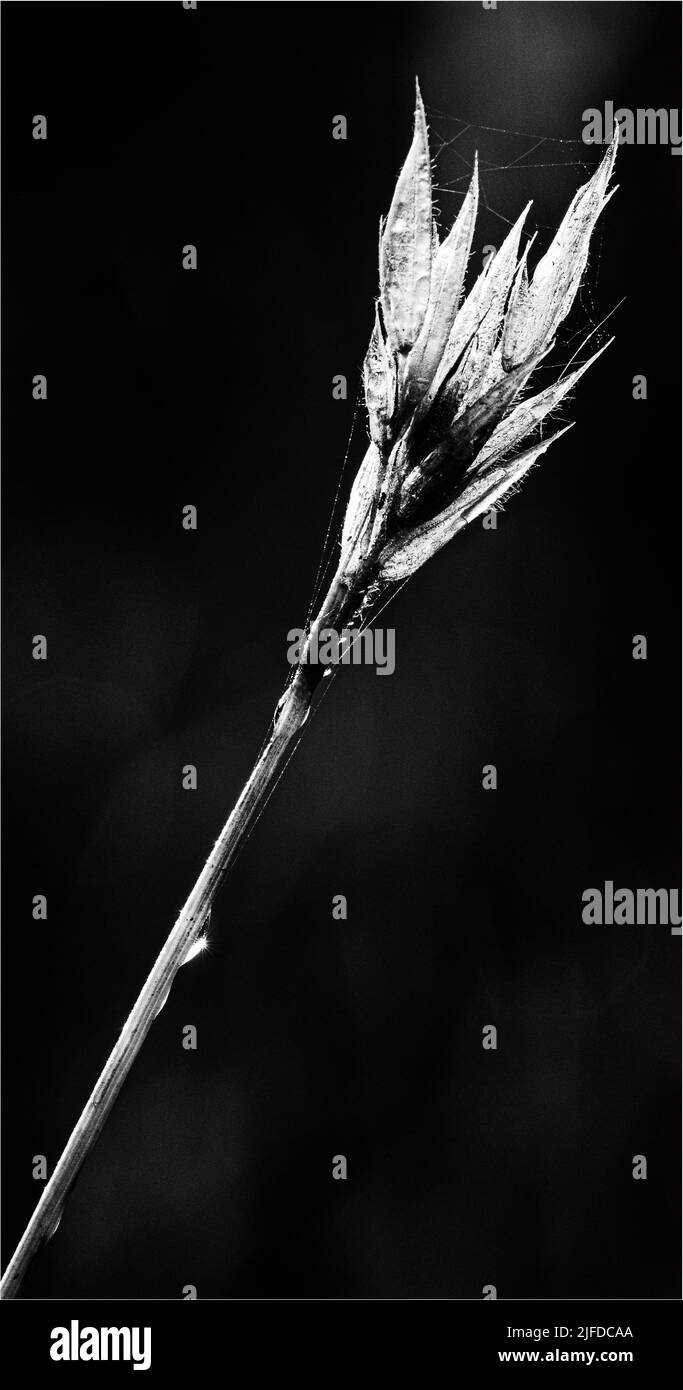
(451, 431)
(451, 434)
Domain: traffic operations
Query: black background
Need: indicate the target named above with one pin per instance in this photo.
(166, 647)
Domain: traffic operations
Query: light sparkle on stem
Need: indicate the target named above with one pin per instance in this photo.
(184, 941)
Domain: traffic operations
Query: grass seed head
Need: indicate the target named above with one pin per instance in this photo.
(452, 433)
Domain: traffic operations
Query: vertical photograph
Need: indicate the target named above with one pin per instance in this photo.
(341, 657)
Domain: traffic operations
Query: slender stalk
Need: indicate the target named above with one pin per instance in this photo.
(290, 717)
(450, 439)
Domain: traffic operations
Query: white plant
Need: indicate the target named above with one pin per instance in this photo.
(452, 433)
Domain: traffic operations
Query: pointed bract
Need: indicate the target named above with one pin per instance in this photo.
(479, 322)
(466, 436)
(406, 244)
(492, 486)
(530, 413)
(541, 306)
(359, 518)
(484, 365)
(379, 380)
(448, 278)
